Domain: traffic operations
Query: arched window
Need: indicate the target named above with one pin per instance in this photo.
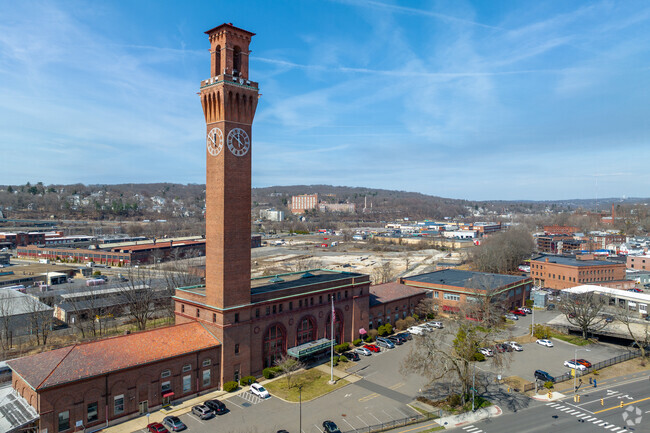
(274, 345)
(338, 327)
(306, 330)
(236, 61)
(217, 59)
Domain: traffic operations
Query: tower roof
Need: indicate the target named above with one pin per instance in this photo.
(228, 25)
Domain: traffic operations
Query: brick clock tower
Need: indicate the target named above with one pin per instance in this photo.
(229, 100)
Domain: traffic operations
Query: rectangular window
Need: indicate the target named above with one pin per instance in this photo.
(311, 301)
(274, 309)
(280, 308)
(165, 386)
(64, 421)
(268, 310)
(338, 296)
(290, 305)
(435, 294)
(300, 303)
(257, 312)
(206, 378)
(92, 414)
(320, 299)
(187, 367)
(206, 362)
(198, 313)
(236, 317)
(166, 373)
(187, 383)
(451, 297)
(214, 317)
(182, 308)
(346, 294)
(236, 348)
(118, 404)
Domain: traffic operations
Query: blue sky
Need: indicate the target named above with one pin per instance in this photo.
(474, 100)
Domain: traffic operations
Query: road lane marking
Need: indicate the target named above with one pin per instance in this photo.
(369, 397)
(378, 420)
(392, 419)
(397, 385)
(363, 421)
(421, 427)
(346, 421)
(624, 404)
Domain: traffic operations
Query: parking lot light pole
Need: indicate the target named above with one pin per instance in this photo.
(300, 399)
(575, 370)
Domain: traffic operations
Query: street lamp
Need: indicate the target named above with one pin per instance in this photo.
(300, 399)
(575, 370)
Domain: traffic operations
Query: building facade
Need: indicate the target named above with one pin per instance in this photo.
(560, 272)
(302, 203)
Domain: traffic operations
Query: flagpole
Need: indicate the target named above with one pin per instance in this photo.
(332, 342)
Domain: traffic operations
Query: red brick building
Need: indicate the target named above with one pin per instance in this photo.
(638, 262)
(301, 203)
(85, 386)
(22, 239)
(560, 272)
(391, 302)
(451, 288)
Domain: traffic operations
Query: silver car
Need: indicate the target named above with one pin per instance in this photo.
(202, 411)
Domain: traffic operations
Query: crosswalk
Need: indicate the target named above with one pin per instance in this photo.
(472, 429)
(584, 416)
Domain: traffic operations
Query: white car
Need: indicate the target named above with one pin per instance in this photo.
(416, 330)
(485, 351)
(363, 351)
(515, 346)
(526, 310)
(574, 365)
(544, 342)
(259, 390)
(436, 324)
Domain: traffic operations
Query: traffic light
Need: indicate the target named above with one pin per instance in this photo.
(550, 395)
(602, 402)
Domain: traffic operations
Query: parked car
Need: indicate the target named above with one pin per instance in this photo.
(372, 348)
(502, 347)
(574, 365)
(545, 342)
(416, 330)
(635, 290)
(511, 316)
(174, 423)
(395, 340)
(385, 342)
(330, 427)
(362, 351)
(608, 319)
(518, 312)
(259, 390)
(515, 346)
(544, 376)
(216, 406)
(436, 324)
(156, 427)
(486, 351)
(352, 356)
(406, 335)
(202, 411)
(526, 310)
(582, 362)
(550, 307)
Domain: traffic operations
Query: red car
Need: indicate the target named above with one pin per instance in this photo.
(582, 362)
(372, 347)
(519, 312)
(156, 427)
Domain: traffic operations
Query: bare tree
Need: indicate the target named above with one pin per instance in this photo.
(383, 273)
(426, 308)
(180, 273)
(638, 332)
(503, 252)
(487, 304)
(6, 296)
(435, 359)
(41, 319)
(289, 365)
(140, 295)
(583, 310)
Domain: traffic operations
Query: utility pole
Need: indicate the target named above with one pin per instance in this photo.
(300, 397)
(332, 342)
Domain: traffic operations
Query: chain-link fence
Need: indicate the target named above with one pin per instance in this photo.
(389, 425)
(633, 353)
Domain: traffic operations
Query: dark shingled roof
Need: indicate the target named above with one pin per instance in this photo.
(465, 279)
(94, 358)
(388, 292)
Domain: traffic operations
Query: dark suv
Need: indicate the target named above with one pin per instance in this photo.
(330, 427)
(216, 406)
(396, 339)
(351, 356)
(544, 376)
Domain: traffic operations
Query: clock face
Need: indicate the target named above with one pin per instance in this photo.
(238, 142)
(215, 141)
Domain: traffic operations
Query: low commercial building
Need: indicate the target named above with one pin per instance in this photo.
(337, 207)
(22, 314)
(104, 382)
(452, 288)
(21, 239)
(639, 263)
(272, 214)
(74, 255)
(561, 272)
(636, 304)
(391, 302)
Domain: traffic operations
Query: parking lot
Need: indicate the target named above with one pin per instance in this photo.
(383, 393)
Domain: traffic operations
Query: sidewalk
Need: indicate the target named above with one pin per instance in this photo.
(469, 417)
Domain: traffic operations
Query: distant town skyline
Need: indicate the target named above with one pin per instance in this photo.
(467, 100)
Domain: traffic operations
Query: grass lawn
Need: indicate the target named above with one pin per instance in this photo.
(573, 339)
(314, 384)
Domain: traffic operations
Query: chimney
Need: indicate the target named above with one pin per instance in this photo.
(546, 260)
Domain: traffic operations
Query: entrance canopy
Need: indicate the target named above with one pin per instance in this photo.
(310, 349)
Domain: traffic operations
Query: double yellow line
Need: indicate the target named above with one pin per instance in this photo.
(624, 404)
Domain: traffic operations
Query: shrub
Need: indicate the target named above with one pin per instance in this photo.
(431, 316)
(530, 303)
(343, 347)
(356, 342)
(270, 372)
(343, 358)
(454, 400)
(541, 331)
(230, 386)
(372, 334)
(96, 273)
(478, 356)
(416, 317)
(410, 321)
(247, 380)
(548, 385)
(336, 361)
(381, 331)
(368, 340)
(389, 328)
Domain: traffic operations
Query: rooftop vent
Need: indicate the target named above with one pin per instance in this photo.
(276, 279)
